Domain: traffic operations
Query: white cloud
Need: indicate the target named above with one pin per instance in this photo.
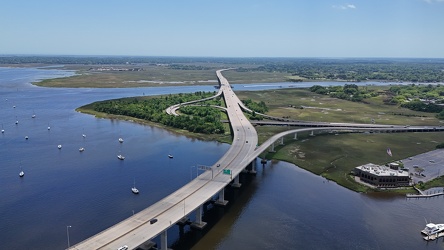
(352, 6)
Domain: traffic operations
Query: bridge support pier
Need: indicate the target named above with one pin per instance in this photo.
(312, 133)
(164, 240)
(272, 147)
(199, 224)
(295, 136)
(253, 167)
(282, 140)
(236, 183)
(221, 200)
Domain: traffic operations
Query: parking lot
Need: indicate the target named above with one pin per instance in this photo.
(432, 162)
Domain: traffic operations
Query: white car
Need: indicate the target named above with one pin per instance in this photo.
(125, 247)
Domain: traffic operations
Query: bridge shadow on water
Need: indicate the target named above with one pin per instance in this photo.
(184, 237)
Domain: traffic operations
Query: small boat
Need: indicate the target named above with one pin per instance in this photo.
(3, 131)
(134, 189)
(81, 149)
(170, 156)
(59, 146)
(26, 137)
(432, 229)
(83, 135)
(120, 139)
(21, 174)
(121, 157)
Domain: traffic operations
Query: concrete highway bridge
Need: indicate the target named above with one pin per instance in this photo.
(139, 229)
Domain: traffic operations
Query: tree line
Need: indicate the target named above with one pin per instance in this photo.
(357, 70)
(200, 119)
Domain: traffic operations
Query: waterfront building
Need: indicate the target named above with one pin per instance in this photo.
(382, 176)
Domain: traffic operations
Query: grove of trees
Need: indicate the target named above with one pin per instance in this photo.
(203, 119)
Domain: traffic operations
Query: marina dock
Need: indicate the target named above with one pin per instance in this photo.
(423, 194)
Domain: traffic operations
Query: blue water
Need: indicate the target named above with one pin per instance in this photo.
(283, 207)
(90, 190)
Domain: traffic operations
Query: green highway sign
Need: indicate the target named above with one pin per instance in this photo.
(227, 171)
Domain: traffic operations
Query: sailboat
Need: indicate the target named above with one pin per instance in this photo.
(134, 189)
(3, 131)
(120, 157)
(21, 174)
(121, 140)
(16, 120)
(33, 114)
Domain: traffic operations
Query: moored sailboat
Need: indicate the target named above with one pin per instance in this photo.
(134, 189)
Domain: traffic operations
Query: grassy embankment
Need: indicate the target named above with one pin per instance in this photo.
(335, 156)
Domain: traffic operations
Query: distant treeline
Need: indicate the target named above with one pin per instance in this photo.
(203, 119)
(356, 70)
(104, 60)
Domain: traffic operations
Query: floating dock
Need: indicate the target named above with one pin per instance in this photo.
(422, 194)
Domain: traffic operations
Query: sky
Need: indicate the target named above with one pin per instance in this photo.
(228, 28)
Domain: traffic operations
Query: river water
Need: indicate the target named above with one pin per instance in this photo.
(282, 207)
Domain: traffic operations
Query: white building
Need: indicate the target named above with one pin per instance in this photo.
(382, 176)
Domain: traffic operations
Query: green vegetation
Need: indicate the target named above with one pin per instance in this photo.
(153, 109)
(350, 92)
(429, 92)
(437, 182)
(424, 98)
(302, 104)
(334, 157)
(356, 70)
(256, 107)
(259, 107)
